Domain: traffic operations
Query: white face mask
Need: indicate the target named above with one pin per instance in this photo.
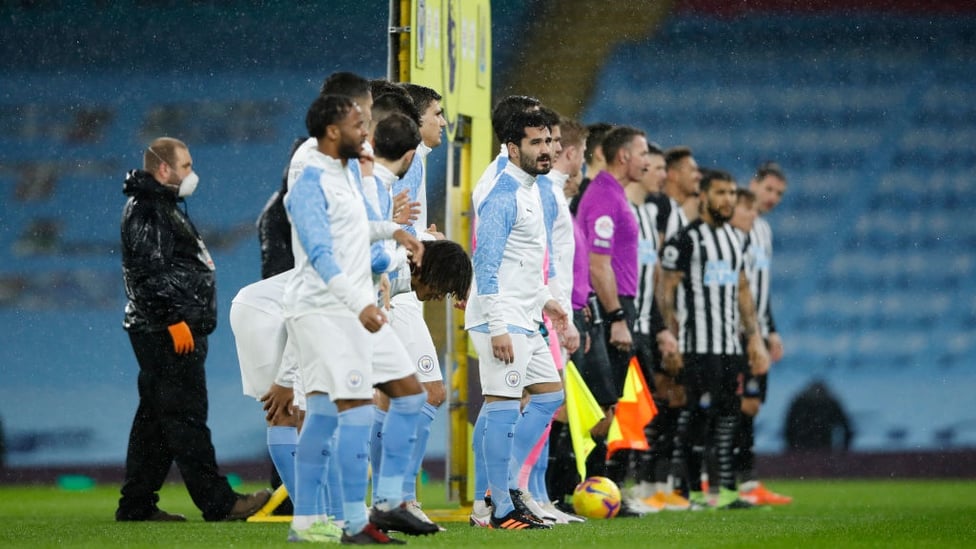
(188, 185)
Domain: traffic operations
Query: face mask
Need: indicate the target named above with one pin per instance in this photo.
(188, 185)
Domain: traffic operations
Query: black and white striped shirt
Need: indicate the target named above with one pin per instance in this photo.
(674, 217)
(711, 260)
(647, 250)
(758, 249)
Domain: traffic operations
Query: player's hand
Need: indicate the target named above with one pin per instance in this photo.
(556, 314)
(385, 291)
(775, 347)
(432, 231)
(620, 336)
(414, 248)
(502, 348)
(404, 211)
(278, 403)
(372, 318)
(570, 338)
(672, 364)
(182, 338)
(666, 342)
(758, 356)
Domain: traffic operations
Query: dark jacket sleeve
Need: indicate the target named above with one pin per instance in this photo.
(274, 235)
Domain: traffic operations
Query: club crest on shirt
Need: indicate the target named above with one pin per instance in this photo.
(354, 379)
(513, 378)
(425, 364)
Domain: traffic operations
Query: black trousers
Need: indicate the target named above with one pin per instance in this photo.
(171, 425)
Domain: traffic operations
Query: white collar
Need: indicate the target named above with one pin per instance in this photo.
(519, 174)
(558, 179)
(384, 174)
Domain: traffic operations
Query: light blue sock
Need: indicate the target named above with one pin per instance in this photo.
(399, 438)
(310, 454)
(282, 441)
(500, 418)
(478, 449)
(538, 413)
(537, 478)
(331, 497)
(376, 447)
(427, 415)
(352, 455)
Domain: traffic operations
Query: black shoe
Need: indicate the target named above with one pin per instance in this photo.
(370, 535)
(738, 503)
(626, 511)
(522, 508)
(246, 506)
(400, 519)
(515, 521)
(157, 516)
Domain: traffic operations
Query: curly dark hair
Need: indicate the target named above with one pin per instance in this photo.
(446, 268)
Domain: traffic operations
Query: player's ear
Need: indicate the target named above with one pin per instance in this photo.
(407, 157)
(332, 132)
(513, 150)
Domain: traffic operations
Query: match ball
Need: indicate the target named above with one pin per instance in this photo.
(597, 498)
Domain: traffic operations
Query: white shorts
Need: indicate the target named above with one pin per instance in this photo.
(338, 356)
(260, 338)
(533, 364)
(265, 353)
(407, 319)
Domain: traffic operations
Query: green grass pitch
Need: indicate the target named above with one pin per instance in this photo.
(825, 514)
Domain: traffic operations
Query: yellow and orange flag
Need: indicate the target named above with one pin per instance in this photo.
(583, 413)
(635, 410)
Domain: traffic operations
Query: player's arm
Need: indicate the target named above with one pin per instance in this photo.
(605, 287)
(496, 215)
(308, 210)
(775, 342)
(756, 347)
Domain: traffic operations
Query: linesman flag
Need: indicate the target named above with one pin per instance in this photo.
(634, 411)
(583, 413)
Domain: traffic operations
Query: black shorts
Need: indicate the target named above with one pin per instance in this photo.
(619, 360)
(752, 386)
(594, 366)
(712, 382)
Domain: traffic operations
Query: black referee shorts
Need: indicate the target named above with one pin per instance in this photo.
(594, 366)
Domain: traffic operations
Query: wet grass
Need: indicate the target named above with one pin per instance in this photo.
(825, 514)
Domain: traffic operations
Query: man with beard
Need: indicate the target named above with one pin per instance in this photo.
(341, 360)
(716, 315)
(505, 309)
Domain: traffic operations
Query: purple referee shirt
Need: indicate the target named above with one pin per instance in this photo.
(611, 229)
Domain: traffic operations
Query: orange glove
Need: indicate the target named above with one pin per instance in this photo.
(182, 338)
